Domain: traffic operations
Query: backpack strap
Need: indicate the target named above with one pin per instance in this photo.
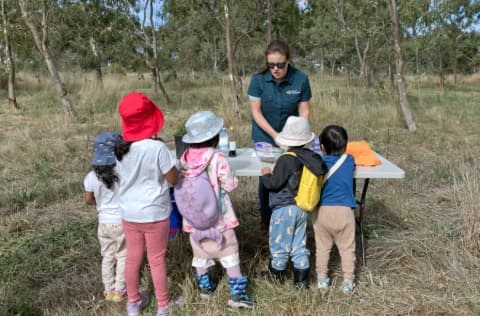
(289, 182)
(221, 193)
(291, 153)
(335, 167)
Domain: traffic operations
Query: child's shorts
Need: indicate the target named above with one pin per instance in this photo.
(227, 254)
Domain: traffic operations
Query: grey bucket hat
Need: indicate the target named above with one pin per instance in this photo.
(201, 127)
(296, 132)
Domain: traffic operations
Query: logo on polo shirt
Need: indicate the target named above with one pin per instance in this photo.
(293, 92)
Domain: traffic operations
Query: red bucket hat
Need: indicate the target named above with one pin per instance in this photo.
(141, 118)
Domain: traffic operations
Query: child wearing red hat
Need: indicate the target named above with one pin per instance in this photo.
(146, 169)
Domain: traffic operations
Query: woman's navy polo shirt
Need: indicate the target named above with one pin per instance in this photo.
(279, 101)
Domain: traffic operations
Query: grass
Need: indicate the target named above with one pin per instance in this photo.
(423, 231)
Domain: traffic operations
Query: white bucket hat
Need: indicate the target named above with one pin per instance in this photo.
(296, 132)
(201, 127)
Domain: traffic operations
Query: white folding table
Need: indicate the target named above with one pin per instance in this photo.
(246, 163)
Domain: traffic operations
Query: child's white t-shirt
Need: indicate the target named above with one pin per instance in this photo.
(143, 191)
(107, 200)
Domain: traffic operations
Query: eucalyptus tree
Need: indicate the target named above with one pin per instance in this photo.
(195, 33)
(404, 104)
(7, 48)
(193, 36)
(319, 36)
(36, 16)
(94, 34)
(448, 24)
(413, 16)
(354, 33)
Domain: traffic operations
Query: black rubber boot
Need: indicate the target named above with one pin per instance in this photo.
(277, 275)
(300, 278)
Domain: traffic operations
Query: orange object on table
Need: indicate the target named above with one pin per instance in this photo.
(362, 153)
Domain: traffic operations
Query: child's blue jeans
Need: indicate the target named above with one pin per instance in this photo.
(288, 238)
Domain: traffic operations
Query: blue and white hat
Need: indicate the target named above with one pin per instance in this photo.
(104, 148)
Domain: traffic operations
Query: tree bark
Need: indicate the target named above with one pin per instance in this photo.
(404, 104)
(156, 67)
(269, 21)
(441, 75)
(9, 62)
(98, 63)
(94, 49)
(231, 60)
(455, 59)
(42, 45)
(362, 57)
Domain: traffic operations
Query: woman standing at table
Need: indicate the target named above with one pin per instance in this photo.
(276, 92)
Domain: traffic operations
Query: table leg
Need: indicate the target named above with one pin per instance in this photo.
(361, 205)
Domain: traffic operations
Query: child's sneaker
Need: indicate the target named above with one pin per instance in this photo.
(165, 311)
(134, 309)
(108, 295)
(347, 287)
(323, 284)
(118, 296)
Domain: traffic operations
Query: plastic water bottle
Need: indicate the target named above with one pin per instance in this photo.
(223, 141)
(316, 146)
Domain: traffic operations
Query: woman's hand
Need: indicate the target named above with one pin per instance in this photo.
(265, 170)
(256, 108)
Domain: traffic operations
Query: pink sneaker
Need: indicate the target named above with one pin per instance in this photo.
(134, 309)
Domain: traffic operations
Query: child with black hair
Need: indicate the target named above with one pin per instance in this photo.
(101, 190)
(288, 224)
(335, 222)
(219, 241)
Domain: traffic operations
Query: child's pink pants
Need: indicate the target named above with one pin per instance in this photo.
(155, 237)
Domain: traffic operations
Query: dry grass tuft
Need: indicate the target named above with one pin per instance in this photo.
(423, 231)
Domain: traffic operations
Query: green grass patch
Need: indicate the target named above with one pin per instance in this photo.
(28, 262)
(374, 231)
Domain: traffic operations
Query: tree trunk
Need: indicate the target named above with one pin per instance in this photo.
(93, 48)
(44, 49)
(231, 60)
(441, 75)
(98, 64)
(156, 71)
(417, 50)
(362, 58)
(417, 59)
(269, 21)
(322, 68)
(215, 56)
(333, 63)
(407, 112)
(9, 62)
(455, 60)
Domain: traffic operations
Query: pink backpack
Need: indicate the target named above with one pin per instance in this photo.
(197, 203)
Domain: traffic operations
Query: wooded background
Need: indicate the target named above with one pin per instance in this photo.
(354, 38)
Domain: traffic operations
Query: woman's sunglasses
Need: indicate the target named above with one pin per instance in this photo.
(278, 65)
